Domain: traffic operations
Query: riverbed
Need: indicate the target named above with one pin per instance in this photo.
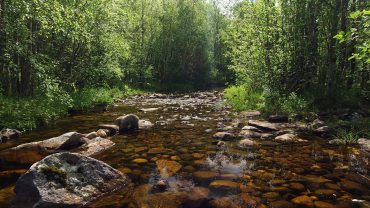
(213, 174)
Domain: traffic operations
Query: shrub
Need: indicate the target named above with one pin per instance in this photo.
(244, 98)
(346, 137)
(290, 104)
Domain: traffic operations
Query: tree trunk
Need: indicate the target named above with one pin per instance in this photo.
(332, 57)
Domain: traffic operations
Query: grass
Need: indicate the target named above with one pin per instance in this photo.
(32, 112)
(344, 137)
(245, 98)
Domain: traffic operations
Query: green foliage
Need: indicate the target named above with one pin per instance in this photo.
(32, 112)
(344, 137)
(244, 98)
(359, 126)
(86, 98)
(27, 114)
(292, 103)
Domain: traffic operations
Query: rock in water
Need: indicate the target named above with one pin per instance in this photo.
(144, 124)
(168, 168)
(8, 134)
(127, 123)
(66, 180)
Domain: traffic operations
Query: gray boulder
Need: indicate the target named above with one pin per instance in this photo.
(66, 180)
(127, 123)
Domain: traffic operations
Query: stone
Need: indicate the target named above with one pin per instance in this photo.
(102, 133)
(91, 135)
(246, 143)
(198, 155)
(278, 118)
(159, 150)
(144, 124)
(196, 197)
(225, 186)
(168, 168)
(323, 130)
(248, 201)
(175, 158)
(271, 195)
(364, 143)
(251, 128)
(281, 204)
(263, 125)
(75, 141)
(250, 134)
(303, 201)
(317, 123)
(325, 193)
(147, 110)
(225, 202)
(321, 204)
(29, 153)
(250, 113)
(127, 123)
(66, 180)
(140, 161)
(297, 187)
(224, 136)
(113, 129)
(332, 186)
(289, 138)
(352, 187)
(204, 175)
(9, 134)
(95, 146)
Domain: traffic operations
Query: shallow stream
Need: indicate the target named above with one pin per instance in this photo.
(265, 175)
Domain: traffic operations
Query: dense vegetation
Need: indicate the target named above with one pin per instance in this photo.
(281, 55)
(292, 55)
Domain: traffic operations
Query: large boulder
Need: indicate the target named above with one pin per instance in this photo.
(9, 134)
(127, 123)
(26, 154)
(66, 180)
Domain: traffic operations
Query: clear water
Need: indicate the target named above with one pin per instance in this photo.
(266, 175)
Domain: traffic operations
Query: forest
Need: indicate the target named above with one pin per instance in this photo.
(185, 103)
(272, 55)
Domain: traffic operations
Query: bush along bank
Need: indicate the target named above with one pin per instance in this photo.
(29, 113)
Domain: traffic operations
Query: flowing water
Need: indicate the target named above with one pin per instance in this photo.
(265, 175)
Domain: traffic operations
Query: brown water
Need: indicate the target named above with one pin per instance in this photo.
(265, 175)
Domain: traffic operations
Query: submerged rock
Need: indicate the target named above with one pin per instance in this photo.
(9, 134)
(168, 168)
(67, 180)
(304, 200)
(127, 123)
